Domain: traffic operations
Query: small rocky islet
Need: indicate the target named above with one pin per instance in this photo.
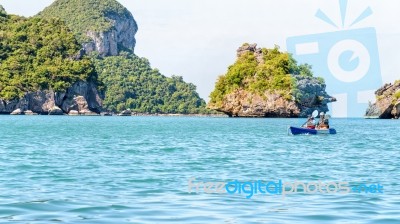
(387, 105)
(268, 83)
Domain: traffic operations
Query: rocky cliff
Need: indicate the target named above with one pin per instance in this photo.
(268, 83)
(109, 43)
(82, 97)
(102, 26)
(387, 104)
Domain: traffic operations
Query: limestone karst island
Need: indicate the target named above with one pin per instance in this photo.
(77, 57)
(268, 83)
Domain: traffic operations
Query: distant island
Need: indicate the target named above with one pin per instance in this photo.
(268, 83)
(77, 57)
(387, 105)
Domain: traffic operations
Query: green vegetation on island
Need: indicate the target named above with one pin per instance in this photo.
(397, 95)
(45, 52)
(85, 15)
(267, 70)
(131, 83)
(268, 83)
(38, 54)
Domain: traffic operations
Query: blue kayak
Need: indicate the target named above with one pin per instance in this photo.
(306, 131)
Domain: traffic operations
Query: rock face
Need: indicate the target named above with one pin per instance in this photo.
(310, 95)
(17, 112)
(120, 36)
(387, 104)
(251, 48)
(55, 111)
(29, 112)
(82, 96)
(245, 104)
(105, 26)
(126, 113)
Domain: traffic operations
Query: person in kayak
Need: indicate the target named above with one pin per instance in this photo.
(310, 124)
(323, 122)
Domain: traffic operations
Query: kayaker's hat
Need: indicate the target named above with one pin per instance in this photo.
(322, 113)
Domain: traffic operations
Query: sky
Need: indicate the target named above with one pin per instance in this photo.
(197, 39)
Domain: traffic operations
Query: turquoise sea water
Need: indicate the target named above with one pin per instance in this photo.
(136, 170)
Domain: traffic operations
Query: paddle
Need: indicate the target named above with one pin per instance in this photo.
(314, 115)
